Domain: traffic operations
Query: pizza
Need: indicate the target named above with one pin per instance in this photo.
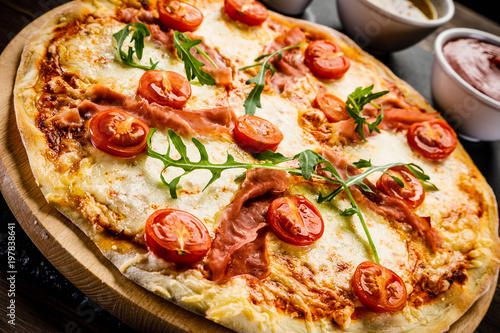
(258, 170)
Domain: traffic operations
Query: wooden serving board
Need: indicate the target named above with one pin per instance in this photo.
(75, 256)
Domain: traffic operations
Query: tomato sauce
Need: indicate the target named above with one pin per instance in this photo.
(477, 62)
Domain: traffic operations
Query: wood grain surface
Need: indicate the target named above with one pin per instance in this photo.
(78, 259)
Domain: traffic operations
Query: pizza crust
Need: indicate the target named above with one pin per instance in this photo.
(229, 304)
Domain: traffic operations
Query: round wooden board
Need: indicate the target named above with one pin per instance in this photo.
(75, 256)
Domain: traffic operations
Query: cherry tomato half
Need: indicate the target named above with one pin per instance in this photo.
(433, 139)
(332, 106)
(256, 135)
(177, 236)
(378, 288)
(179, 15)
(118, 133)
(249, 12)
(326, 60)
(165, 88)
(295, 220)
(412, 193)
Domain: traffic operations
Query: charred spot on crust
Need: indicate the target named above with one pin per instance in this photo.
(459, 276)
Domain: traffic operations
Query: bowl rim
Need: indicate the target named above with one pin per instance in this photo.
(419, 23)
(455, 33)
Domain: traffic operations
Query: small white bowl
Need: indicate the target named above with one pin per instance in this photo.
(473, 114)
(378, 30)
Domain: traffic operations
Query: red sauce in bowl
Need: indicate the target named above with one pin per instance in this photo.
(477, 62)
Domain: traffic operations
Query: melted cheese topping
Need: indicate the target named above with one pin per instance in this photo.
(124, 192)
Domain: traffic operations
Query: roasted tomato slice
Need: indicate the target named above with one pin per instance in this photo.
(249, 12)
(256, 135)
(118, 133)
(433, 139)
(332, 106)
(177, 236)
(295, 220)
(412, 193)
(378, 288)
(326, 60)
(165, 88)
(179, 15)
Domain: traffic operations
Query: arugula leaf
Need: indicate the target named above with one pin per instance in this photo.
(139, 32)
(308, 160)
(185, 163)
(308, 163)
(362, 163)
(354, 105)
(421, 176)
(192, 66)
(252, 101)
(271, 157)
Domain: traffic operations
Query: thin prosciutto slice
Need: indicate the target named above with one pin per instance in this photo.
(385, 205)
(239, 246)
(291, 65)
(394, 119)
(222, 73)
(214, 120)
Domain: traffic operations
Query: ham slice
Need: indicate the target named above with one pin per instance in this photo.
(222, 73)
(399, 119)
(135, 15)
(239, 246)
(215, 120)
(291, 66)
(385, 205)
(394, 119)
(163, 38)
(67, 118)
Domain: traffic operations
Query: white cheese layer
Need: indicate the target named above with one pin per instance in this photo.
(131, 189)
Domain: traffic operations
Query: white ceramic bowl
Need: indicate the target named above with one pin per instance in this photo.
(379, 31)
(472, 113)
(288, 7)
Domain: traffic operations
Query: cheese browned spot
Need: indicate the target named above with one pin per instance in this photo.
(56, 117)
(304, 291)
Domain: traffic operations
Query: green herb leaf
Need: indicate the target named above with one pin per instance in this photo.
(192, 66)
(354, 105)
(139, 32)
(362, 163)
(421, 176)
(308, 160)
(397, 180)
(271, 157)
(350, 212)
(252, 101)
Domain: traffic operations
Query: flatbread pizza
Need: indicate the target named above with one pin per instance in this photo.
(258, 170)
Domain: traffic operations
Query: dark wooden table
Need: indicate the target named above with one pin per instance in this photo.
(47, 302)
